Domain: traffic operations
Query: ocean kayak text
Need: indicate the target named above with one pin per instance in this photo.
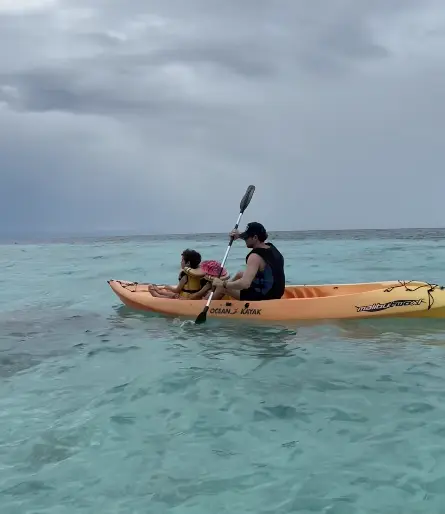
(233, 310)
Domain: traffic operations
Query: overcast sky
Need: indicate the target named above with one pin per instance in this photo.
(148, 117)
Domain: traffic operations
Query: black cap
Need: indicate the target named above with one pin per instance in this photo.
(254, 229)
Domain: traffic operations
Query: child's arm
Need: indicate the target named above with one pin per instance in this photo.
(202, 292)
(177, 289)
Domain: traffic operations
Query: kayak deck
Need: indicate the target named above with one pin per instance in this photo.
(302, 302)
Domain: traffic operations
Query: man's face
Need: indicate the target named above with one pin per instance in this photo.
(250, 241)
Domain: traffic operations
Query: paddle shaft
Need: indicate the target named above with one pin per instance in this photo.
(245, 201)
(225, 258)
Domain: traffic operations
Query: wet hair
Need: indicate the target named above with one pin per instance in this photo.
(193, 257)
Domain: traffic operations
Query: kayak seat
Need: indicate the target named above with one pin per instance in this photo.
(303, 292)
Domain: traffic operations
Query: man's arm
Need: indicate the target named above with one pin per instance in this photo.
(253, 265)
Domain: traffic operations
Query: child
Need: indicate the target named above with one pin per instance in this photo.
(194, 280)
(191, 279)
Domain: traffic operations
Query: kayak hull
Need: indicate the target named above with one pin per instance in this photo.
(390, 299)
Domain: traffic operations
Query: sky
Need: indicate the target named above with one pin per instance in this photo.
(154, 117)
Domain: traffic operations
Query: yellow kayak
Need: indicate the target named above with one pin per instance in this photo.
(303, 302)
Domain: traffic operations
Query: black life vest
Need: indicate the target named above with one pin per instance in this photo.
(270, 282)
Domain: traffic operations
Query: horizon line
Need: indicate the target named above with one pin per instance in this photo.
(106, 234)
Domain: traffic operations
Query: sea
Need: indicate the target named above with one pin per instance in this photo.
(108, 410)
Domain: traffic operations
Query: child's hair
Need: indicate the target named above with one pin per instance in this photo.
(193, 257)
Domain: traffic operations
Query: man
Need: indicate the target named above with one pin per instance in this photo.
(264, 277)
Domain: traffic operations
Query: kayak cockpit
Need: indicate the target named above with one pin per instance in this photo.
(323, 291)
(291, 291)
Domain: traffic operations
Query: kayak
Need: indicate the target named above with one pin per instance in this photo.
(410, 299)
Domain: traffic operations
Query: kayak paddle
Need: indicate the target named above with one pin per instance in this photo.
(242, 207)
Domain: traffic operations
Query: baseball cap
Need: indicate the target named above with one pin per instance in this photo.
(254, 229)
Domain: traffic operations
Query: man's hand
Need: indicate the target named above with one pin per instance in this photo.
(235, 234)
(217, 282)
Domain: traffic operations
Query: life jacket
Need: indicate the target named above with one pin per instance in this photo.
(270, 282)
(195, 281)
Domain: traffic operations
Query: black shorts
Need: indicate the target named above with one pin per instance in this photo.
(249, 295)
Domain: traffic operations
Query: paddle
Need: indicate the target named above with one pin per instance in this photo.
(242, 207)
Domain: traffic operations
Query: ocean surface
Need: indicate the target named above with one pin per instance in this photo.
(105, 410)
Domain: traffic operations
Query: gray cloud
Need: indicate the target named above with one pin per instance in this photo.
(116, 117)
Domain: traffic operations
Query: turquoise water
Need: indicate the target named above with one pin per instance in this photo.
(107, 410)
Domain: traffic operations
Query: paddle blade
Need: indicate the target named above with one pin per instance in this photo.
(246, 198)
(202, 316)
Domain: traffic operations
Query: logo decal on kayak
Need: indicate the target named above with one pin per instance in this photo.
(375, 307)
(228, 309)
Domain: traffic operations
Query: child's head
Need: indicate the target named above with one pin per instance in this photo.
(190, 258)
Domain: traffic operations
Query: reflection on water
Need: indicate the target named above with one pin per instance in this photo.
(218, 338)
(215, 337)
(424, 331)
(30, 337)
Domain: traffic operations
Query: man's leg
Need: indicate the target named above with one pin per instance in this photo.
(220, 292)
